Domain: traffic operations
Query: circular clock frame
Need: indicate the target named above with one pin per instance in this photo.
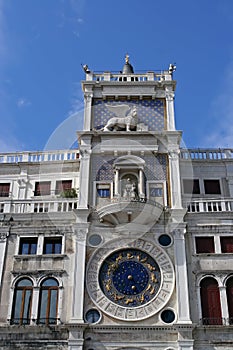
(117, 300)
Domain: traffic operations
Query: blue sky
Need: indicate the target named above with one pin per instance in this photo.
(44, 42)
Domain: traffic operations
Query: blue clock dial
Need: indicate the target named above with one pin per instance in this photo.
(130, 277)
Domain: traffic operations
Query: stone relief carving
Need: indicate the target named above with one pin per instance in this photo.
(81, 235)
(121, 120)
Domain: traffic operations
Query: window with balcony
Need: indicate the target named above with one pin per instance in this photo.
(48, 302)
(191, 186)
(204, 245)
(212, 187)
(52, 245)
(210, 302)
(42, 188)
(226, 244)
(63, 185)
(22, 301)
(4, 189)
(28, 245)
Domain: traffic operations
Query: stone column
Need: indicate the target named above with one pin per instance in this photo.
(85, 151)
(170, 108)
(181, 276)
(175, 189)
(116, 182)
(87, 110)
(35, 303)
(4, 233)
(223, 300)
(77, 303)
(141, 184)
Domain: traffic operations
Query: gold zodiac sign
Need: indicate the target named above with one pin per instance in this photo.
(141, 260)
(118, 297)
(112, 267)
(119, 258)
(142, 298)
(150, 288)
(108, 285)
(128, 301)
(129, 256)
(153, 278)
(150, 267)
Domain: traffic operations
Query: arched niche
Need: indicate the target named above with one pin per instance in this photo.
(129, 169)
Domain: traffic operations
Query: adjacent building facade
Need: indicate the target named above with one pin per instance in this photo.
(124, 243)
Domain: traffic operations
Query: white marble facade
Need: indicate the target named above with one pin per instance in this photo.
(114, 245)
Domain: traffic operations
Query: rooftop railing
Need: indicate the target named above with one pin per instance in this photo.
(119, 77)
(206, 154)
(37, 157)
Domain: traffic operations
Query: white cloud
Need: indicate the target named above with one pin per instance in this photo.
(23, 102)
(221, 122)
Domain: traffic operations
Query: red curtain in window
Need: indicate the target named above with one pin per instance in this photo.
(230, 298)
(210, 302)
(42, 188)
(63, 185)
(4, 190)
(227, 244)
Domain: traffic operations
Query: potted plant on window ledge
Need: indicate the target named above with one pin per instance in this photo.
(69, 193)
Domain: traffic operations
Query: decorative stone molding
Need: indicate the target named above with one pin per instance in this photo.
(4, 233)
(80, 234)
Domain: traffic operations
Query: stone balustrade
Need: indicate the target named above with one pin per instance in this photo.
(210, 205)
(206, 154)
(110, 76)
(43, 156)
(38, 206)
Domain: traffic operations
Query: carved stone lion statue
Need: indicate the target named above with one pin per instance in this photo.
(121, 121)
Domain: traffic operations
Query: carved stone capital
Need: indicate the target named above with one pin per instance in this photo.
(169, 93)
(84, 153)
(4, 233)
(173, 154)
(80, 234)
(88, 98)
(178, 233)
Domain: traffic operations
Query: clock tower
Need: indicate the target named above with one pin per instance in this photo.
(130, 274)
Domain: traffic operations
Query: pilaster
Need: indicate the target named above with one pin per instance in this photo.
(175, 188)
(4, 233)
(169, 93)
(181, 276)
(80, 234)
(85, 153)
(88, 109)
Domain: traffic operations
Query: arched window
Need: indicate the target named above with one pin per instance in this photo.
(229, 289)
(21, 311)
(48, 302)
(210, 302)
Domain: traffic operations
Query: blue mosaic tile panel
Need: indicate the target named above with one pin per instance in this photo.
(155, 168)
(102, 168)
(150, 112)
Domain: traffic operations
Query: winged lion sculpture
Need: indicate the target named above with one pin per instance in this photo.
(123, 119)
